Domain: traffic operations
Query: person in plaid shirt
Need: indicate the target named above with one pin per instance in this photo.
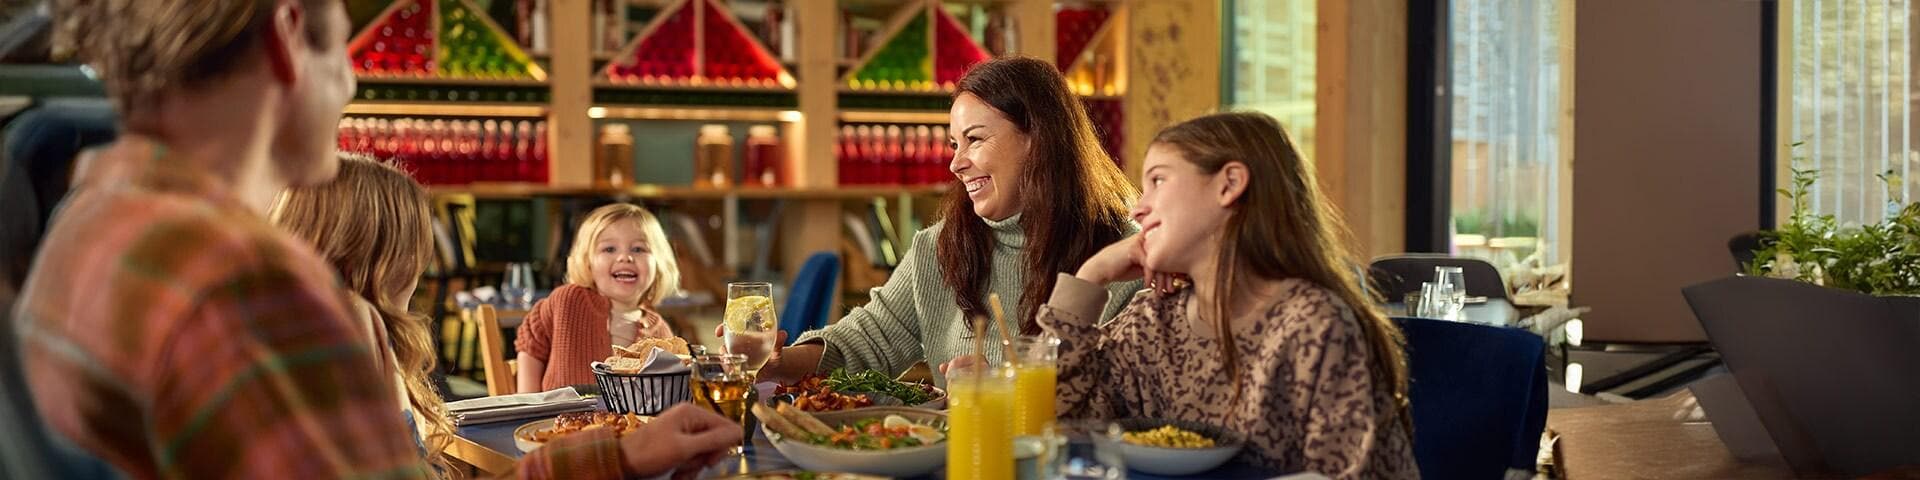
(167, 328)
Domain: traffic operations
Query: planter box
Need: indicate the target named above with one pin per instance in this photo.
(1832, 375)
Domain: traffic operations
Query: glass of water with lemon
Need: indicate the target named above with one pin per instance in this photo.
(751, 328)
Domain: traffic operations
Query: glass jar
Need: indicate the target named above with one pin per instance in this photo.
(713, 157)
(613, 157)
(764, 158)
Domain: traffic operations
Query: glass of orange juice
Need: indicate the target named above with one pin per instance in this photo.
(980, 399)
(1035, 368)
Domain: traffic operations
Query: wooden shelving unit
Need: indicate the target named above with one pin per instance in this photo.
(894, 116)
(449, 82)
(577, 94)
(448, 109)
(658, 192)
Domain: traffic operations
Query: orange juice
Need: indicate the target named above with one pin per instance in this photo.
(1033, 398)
(979, 438)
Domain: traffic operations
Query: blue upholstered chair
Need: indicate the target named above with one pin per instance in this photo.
(811, 295)
(1479, 396)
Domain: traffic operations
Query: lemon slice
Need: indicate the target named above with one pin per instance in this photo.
(743, 308)
(925, 434)
(894, 421)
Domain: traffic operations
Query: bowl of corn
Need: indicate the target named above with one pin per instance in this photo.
(1174, 447)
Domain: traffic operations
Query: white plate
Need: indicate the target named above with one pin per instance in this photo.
(520, 435)
(899, 462)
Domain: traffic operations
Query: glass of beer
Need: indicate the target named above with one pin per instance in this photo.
(751, 328)
(724, 384)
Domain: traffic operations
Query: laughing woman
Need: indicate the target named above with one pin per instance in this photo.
(1272, 338)
(1037, 197)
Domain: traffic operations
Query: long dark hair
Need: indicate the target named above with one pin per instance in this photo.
(1074, 199)
(1283, 227)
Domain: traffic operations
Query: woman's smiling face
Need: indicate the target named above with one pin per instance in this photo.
(987, 153)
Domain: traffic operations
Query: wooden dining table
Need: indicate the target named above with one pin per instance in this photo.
(490, 449)
(1661, 438)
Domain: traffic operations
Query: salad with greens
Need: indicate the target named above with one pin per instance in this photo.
(875, 382)
(880, 434)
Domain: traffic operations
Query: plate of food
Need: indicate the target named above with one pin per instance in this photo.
(841, 390)
(534, 435)
(1174, 447)
(889, 441)
(801, 475)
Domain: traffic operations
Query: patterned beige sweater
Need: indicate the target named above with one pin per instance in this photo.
(1307, 401)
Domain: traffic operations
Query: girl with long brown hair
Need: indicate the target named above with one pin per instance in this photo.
(1268, 334)
(1036, 196)
(371, 223)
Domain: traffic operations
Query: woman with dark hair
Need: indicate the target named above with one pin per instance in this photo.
(1038, 196)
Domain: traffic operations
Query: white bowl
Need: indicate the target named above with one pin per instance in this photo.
(899, 462)
(1176, 461)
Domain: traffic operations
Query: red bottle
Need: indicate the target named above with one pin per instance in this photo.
(405, 144)
(538, 167)
(911, 155)
(895, 169)
(841, 148)
(864, 152)
(523, 151)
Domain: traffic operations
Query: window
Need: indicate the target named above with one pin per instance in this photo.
(1270, 64)
(1506, 129)
(1847, 70)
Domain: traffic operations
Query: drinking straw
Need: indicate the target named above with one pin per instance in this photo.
(979, 348)
(1000, 319)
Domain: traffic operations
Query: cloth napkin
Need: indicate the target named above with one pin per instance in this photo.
(519, 406)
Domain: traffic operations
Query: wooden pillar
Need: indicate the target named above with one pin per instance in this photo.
(570, 132)
(1564, 250)
(1362, 120)
(1034, 27)
(816, 223)
(1172, 68)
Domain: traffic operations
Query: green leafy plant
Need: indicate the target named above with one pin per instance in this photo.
(1879, 258)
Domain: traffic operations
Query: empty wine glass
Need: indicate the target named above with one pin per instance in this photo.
(517, 289)
(1451, 282)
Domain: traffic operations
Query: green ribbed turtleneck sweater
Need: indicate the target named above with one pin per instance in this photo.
(913, 318)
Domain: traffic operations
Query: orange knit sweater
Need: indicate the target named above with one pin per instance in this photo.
(568, 331)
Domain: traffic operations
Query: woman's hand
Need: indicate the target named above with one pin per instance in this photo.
(960, 363)
(1122, 261)
(684, 440)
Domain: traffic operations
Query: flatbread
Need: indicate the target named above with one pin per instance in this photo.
(674, 345)
(619, 364)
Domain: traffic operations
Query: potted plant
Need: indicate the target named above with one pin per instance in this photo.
(1877, 258)
(1827, 314)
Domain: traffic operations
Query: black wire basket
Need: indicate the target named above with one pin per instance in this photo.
(642, 393)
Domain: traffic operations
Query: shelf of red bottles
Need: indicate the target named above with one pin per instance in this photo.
(450, 151)
(893, 154)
